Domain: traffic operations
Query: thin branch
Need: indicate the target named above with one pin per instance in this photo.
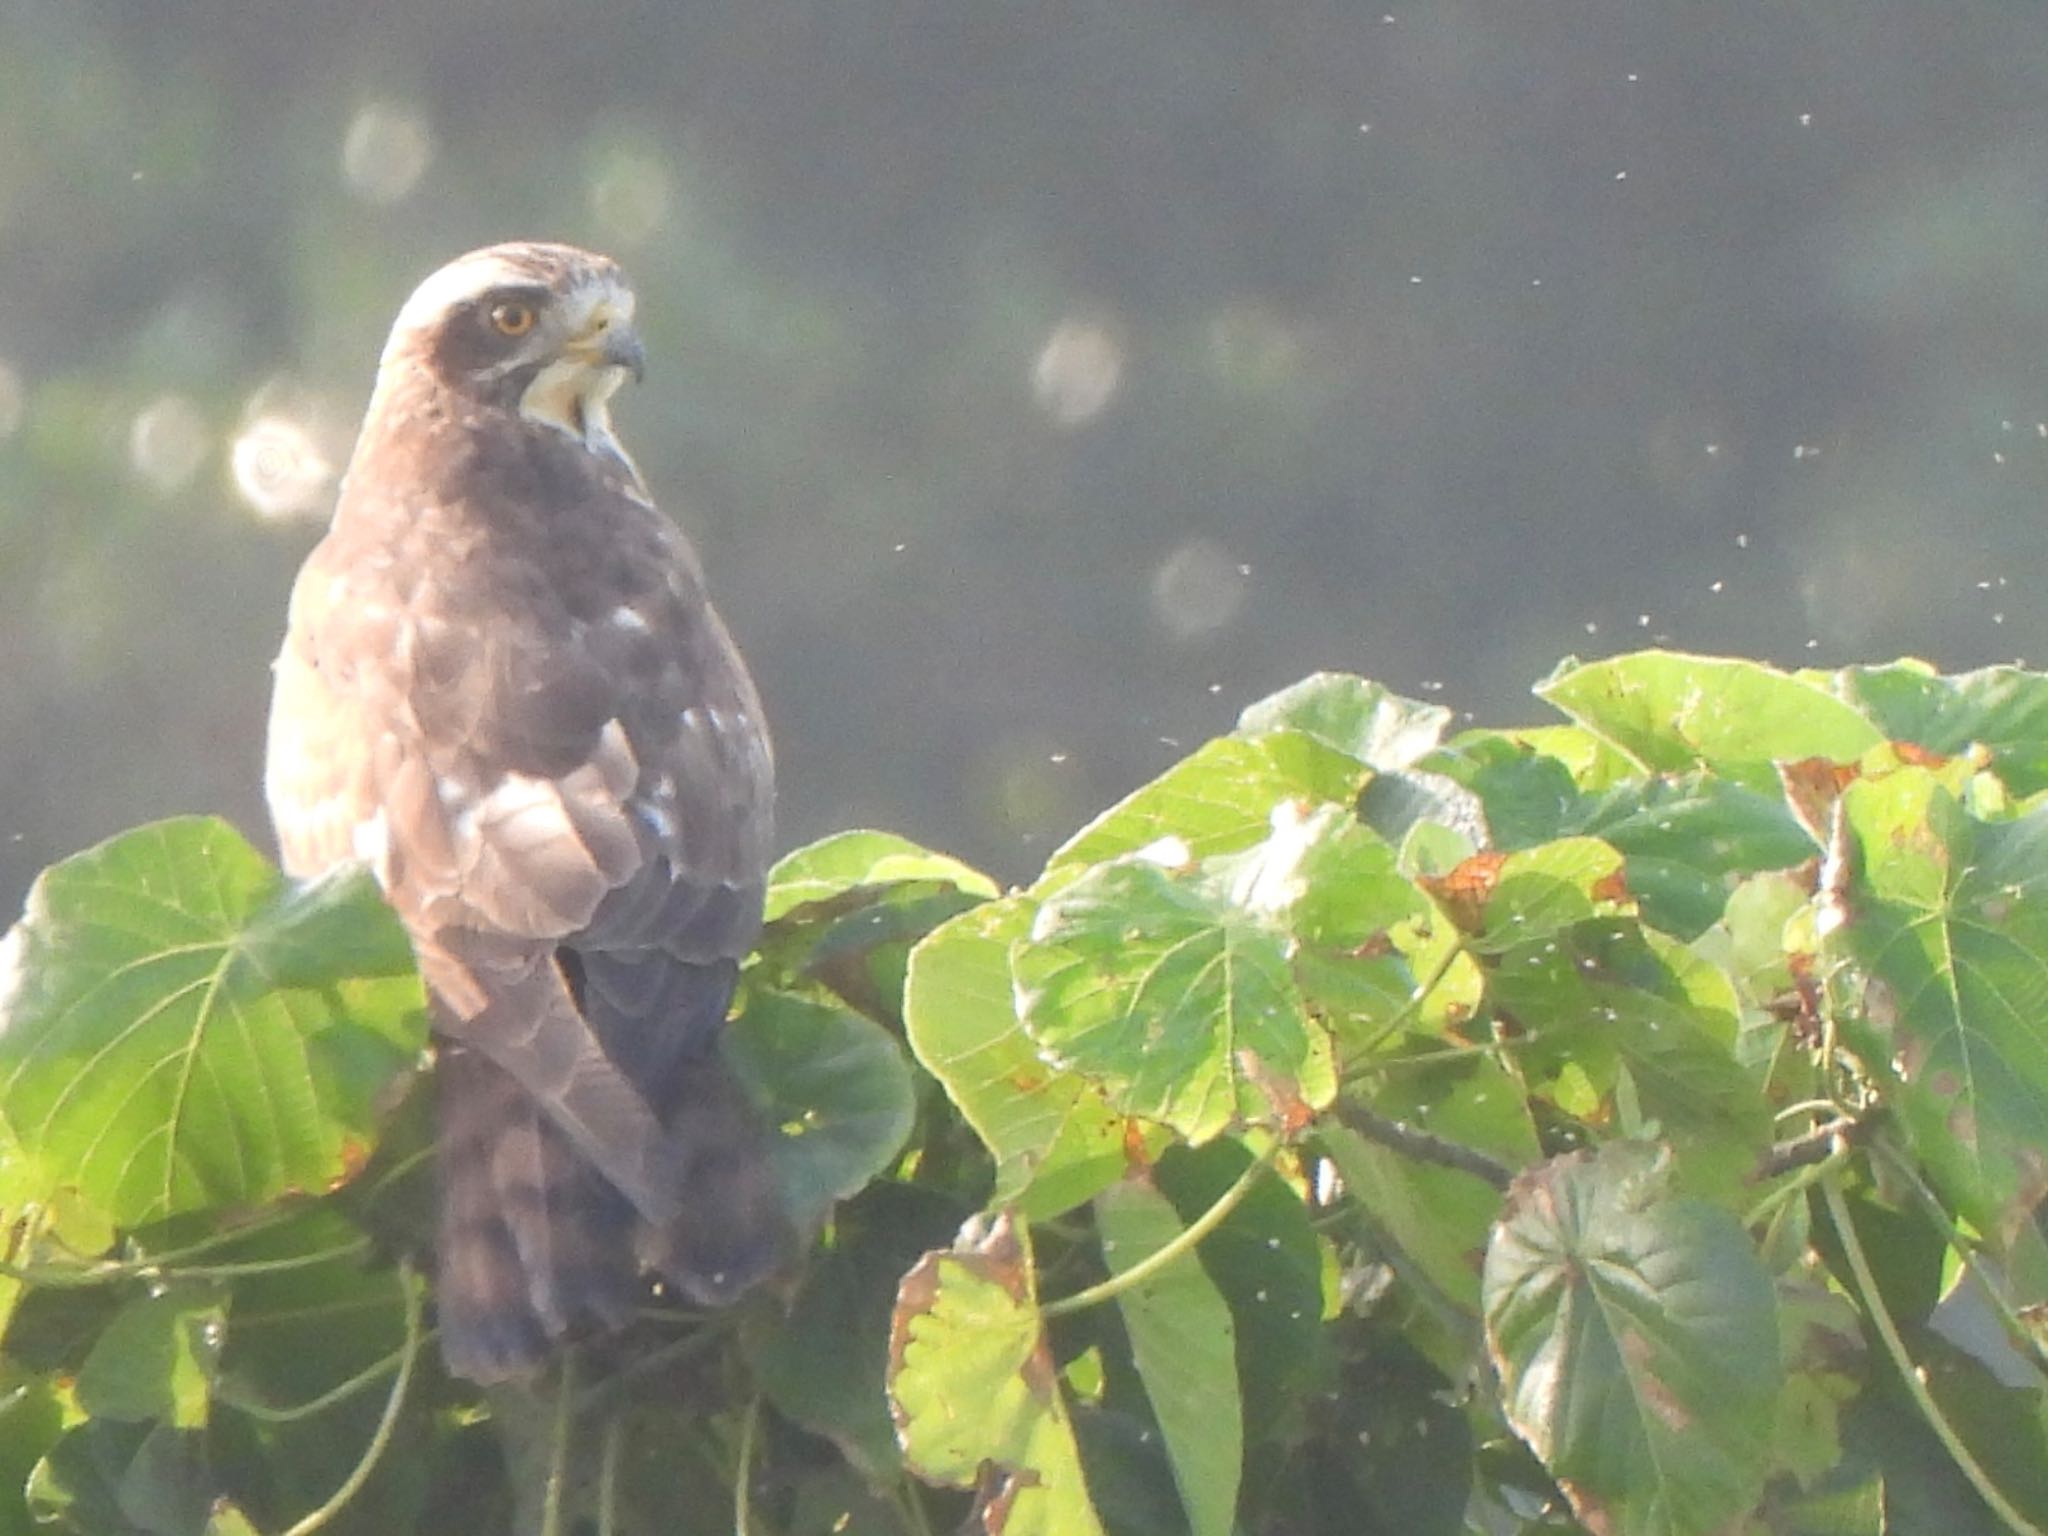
(409, 1285)
(1815, 1146)
(1423, 1146)
(1190, 1236)
(1910, 1374)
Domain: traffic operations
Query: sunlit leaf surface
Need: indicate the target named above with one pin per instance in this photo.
(1054, 1137)
(181, 1029)
(1175, 998)
(976, 1398)
(1672, 712)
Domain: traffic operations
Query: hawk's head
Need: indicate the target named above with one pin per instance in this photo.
(545, 331)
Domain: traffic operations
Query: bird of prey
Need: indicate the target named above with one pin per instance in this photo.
(504, 688)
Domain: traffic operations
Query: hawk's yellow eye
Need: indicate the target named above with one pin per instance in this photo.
(513, 319)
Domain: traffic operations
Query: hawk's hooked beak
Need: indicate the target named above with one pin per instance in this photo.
(609, 340)
(619, 347)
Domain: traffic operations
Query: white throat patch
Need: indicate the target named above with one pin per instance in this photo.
(575, 397)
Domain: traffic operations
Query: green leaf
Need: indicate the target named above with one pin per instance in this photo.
(1506, 900)
(1184, 1344)
(1173, 997)
(824, 1364)
(156, 1360)
(1672, 712)
(107, 1478)
(33, 1411)
(1219, 800)
(1361, 719)
(1594, 763)
(2002, 708)
(1637, 1344)
(1614, 1004)
(832, 1084)
(1054, 1137)
(180, 1029)
(295, 1335)
(1391, 1451)
(226, 1520)
(1948, 920)
(1526, 794)
(2005, 1426)
(1267, 1264)
(846, 911)
(847, 861)
(1437, 1218)
(1683, 838)
(1821, 1342)
(975, 1394)
(1330, 881)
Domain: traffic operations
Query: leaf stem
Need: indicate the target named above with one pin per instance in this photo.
(1808, 1175)
(558, 1446)
(743, 1473)
(608, 1476)
(910, 1505)
(83, 1276)
(1909, 1373)
(1190, 1236)
(380, 1440)
(1431, 980)
(257, 1409)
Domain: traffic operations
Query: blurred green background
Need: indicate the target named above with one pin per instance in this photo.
(1043, 381)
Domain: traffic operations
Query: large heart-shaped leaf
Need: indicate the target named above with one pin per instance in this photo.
(1948, 918)
(180, 1028)
(1635, 1334)
(833, 1086)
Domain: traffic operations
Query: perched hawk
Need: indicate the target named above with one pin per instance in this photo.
(504, 688)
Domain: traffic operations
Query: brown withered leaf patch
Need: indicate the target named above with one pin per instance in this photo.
(1812, 786)
(1464, 890)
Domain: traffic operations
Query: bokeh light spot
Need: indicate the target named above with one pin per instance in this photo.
(13, 400)
(279, 469)
(1078, 372)
(630, 195)
(167, 442)
(1197, 590)
(385, 152)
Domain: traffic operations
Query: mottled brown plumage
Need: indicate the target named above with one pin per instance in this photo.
(504, 687)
